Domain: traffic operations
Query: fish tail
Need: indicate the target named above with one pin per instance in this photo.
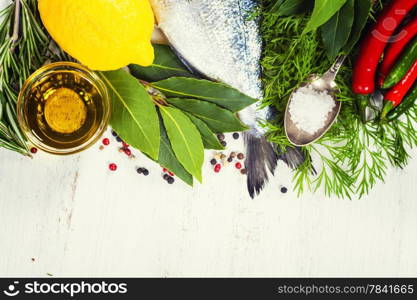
(293, 157)
(260, 155)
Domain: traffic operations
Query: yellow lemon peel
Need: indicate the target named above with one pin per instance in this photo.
(102, 34)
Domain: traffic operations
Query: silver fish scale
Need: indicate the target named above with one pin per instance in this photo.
(217, 38)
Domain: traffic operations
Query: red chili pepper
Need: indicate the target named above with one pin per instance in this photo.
(398, 92)
(395, 95)
(395, 49)
(374, 45)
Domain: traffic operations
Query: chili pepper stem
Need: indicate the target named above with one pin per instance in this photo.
(362, 103)
(388, 106)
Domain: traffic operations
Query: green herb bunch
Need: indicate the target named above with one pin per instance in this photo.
(24, 47)
(352, 157)
(171, 116)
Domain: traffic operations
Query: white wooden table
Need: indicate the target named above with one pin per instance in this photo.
(70, 216)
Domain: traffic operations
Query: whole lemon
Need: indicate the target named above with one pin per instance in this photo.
(101, 34)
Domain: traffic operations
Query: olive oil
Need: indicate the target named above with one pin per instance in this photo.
(64, 109)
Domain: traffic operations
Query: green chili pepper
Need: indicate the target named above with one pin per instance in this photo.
(405, 105)
(402, 66)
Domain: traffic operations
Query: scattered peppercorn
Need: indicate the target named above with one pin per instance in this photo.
(223, 143)
(233, 154)
(221, 136)
(33, 150)
(113, 167)
(119, 139)
(106, 142)
(166, 176)
(213, 162)
(284, 190)
(222, 156)
(121, 150)
(139, 170)
(171, 180)
(164, 170)
(171, 174)
(125, 145)
(230, 159)
(238, 165)
(243, 172)
(101, 147)
(114, 133)
(240, 156)
(146, 172)
(217, 168)
(236, 135)
(128, 152)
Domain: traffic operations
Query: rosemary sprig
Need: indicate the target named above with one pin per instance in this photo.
(23, 49)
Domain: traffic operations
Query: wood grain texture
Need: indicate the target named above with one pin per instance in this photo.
(76, 218)
(69, 216)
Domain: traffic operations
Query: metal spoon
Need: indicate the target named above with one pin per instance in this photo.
(325, 83)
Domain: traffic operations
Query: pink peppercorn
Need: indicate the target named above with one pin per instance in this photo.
(217, 168)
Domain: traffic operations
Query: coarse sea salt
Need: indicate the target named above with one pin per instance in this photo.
(309, 109)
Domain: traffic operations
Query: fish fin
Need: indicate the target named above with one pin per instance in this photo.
(293, 157)
(260, 154)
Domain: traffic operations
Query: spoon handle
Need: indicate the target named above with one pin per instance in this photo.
(331, 74)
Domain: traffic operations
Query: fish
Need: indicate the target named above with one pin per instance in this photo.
(220, 40)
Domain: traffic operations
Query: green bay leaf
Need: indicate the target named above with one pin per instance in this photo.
(185, 140)
(218, 93)
(217, 118)
(168, 160)
(294, 7)
(323, 11)
(165, 65)
(210, 140)
(134, 115)
(336, 31)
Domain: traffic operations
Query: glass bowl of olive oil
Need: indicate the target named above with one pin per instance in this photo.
(63, 108)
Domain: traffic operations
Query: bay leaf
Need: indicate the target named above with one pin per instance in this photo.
(294, 7)
(134, 115)
(275, 6)
(185, 140)
(362, 11)
(210, 140)
(323, 11)
(218, 93)
(168, 160)
(217, 118)
(165, 65)
(336, 31)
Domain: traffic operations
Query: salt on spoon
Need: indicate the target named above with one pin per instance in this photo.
(312, 108)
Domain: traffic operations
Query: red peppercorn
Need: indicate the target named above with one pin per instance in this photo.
(106, 142)
(217, 168)
(171, 174)
(33, 150)
(112, 167)
(164, 170)
(238, 165)
(127, 151)
(125, 145)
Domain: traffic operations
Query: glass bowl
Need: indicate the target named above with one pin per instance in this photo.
(61, 84)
